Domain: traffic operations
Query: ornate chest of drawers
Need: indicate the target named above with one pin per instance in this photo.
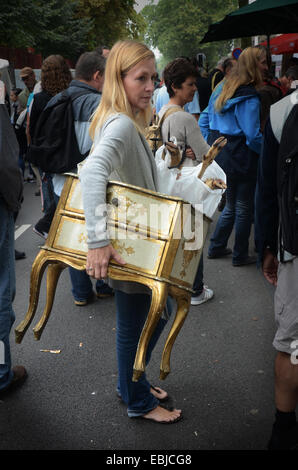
(160, 237)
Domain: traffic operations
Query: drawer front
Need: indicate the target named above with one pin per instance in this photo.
(71, 236)
(74, 201)
(141, 254)
(143, 212)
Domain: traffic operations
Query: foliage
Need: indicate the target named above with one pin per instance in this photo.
(112, 20)
(63, 31)
(16, 22)
(176, 28)
(67, 27)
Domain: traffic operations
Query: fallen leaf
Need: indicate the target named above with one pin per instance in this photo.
(52, 351)
(254, 412)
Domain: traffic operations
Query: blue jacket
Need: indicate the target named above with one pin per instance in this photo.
(239, 121)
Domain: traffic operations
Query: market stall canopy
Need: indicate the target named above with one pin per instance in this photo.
(262, 17)
(283, 44)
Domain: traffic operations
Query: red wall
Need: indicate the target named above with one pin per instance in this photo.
(21, 57)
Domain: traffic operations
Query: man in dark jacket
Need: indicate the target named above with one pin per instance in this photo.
(282, 272)
(89, 77)
(11, 188)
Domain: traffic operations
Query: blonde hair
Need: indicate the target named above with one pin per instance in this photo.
(245, 72)
(123, 56)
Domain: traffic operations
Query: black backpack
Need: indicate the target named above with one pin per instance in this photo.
(54, 147)
(287, 184)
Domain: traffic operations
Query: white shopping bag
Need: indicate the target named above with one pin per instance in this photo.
(185, 183)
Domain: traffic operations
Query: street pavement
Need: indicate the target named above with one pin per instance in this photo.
(221, 367)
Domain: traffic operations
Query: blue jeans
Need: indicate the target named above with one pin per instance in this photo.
(82, 288)
(198, 284)
(7, 291)
(22, 164)
(132, 310)
(237, 213)
(47, 191)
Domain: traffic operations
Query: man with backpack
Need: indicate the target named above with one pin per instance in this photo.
(276, 236)
(61, 140)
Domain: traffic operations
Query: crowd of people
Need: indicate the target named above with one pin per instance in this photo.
(115, 95)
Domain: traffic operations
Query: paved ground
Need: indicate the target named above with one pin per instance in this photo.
(222, 368)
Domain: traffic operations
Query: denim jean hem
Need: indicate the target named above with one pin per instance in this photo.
(85, 298)
(197, 292)
(216, 250)
(135, 413)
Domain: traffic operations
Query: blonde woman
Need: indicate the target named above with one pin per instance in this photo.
(234, 111)
(120, 151)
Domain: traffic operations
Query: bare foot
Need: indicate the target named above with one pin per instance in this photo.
(158, 392)
(162, 415)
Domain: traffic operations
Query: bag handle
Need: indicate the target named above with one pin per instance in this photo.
(213, 80)
(168, 113)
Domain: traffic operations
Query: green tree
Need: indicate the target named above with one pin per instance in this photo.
(51, 27)
(16, 20)
(112, 20)
(176, 28)
(64, 32)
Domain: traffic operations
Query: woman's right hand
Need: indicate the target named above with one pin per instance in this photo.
(98, 260)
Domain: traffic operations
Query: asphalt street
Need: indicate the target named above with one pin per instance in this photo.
(221, 367)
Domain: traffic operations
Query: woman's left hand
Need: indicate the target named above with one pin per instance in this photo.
(98, 261)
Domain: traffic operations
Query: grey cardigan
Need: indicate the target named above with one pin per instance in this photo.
(120, 153)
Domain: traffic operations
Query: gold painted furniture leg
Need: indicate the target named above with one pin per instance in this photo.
(183, 302)
(159, 297)
(37, 271)
(43, 259)
(53, 274)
